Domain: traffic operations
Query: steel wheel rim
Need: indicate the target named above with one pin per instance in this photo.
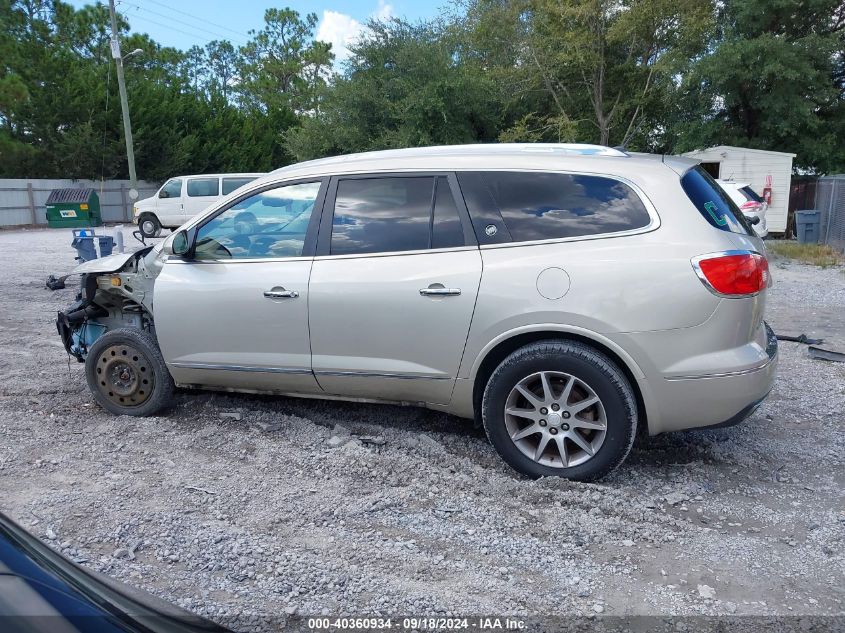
(124, 376)
(148, 226)
(555, 419)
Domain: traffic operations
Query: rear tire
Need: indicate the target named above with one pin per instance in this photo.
(127, 374)
(560, 409)
(149, 225)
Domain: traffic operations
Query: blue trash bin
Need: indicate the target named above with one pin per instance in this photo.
(106, 245)
(84, 245)
(807, 224)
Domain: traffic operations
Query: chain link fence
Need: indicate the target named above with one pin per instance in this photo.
(830, 200)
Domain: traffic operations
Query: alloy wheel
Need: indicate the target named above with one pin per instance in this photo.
(555, 419)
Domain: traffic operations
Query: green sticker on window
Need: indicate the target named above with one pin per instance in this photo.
(711, 208)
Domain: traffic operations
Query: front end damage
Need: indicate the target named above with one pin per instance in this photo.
(113, 294)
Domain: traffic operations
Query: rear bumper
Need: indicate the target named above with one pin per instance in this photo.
(714, 399)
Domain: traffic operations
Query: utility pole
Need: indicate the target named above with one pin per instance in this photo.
(124, 104)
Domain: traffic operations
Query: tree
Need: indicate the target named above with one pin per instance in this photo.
(283, 66)
(404, 85)
(587, 70)
(774, 80)
(223, 60)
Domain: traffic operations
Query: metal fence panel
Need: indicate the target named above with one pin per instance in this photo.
(23, 201)
(830, 200)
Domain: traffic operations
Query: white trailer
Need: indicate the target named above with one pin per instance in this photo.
(753, 166)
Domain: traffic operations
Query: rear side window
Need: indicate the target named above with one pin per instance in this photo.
(541, 206)
(201, 187)
(230, 184)
(713, 203)
(393, 214)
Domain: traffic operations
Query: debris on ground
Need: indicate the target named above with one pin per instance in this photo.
(801, 338)
(821, 353)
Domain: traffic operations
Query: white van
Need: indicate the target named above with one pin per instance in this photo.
(183, 197)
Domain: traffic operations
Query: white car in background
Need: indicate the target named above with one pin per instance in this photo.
(183, 197)
(751, 204)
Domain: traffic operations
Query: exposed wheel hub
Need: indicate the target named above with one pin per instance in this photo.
(124, 376)
(555, 419)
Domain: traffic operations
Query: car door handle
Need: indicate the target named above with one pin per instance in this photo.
(440, 292)
(281, 294)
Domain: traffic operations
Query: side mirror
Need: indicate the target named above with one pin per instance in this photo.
(163, 194)
(181, 244)
(754, 219)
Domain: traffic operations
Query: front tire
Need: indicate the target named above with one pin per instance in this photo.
(560, 409)
(149, 225)
(127, 374)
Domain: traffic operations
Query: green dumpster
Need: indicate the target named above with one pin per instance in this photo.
(73, 207)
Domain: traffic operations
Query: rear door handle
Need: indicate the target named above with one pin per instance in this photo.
(440, 292)
(281, 293)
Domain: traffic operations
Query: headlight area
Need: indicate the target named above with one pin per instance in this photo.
(101, 305)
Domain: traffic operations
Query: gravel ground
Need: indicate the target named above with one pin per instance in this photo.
(293, 507)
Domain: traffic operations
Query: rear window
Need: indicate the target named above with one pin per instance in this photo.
(202, 187)
(713, 203)
(750, 194)
(230, 184)
(548, 205)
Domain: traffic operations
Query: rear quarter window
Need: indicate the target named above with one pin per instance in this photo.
(230, 184)
(549, 205)
(713, 203)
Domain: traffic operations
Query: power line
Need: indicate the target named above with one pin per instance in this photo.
(182, 22)
(194, 37)
(219, 26)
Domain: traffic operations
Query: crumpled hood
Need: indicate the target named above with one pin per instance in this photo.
(111, 263)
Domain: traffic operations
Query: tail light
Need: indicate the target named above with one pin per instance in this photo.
(751, 206)
(733, 273)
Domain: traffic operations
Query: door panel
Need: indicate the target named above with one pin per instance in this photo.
(374, 334)
(234, 314)
(169, 210)
(216, 327)
(201, 193)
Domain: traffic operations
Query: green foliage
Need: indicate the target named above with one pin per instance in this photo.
(774, 80)
(587, 70)
(654, 75)
(211, 109)
(403, 86)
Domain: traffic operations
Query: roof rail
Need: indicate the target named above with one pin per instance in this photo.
(578, 149)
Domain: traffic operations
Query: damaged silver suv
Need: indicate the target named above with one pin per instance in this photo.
(561, 294)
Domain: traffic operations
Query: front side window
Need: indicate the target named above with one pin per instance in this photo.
(549, 205)
(713, 202)
(230, 184)
(172, 189)
(203, 187)
(272, 223)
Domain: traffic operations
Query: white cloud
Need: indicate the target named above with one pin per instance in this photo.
(342, 30)
(383, 12)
